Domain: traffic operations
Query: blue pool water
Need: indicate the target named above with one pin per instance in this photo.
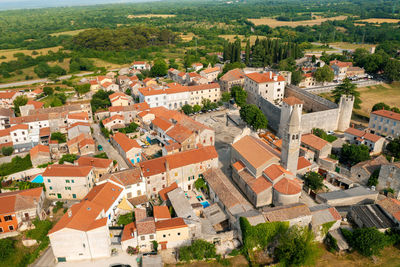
(205, 204)
(38, 179)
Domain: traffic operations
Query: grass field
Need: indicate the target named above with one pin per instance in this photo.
(101, 63)
(276, 23)
(345, 45)
(187, 37)
(9, 53)
(72, 33)
(379, 21)
(151, 16)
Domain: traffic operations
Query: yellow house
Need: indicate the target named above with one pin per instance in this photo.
(172, 233)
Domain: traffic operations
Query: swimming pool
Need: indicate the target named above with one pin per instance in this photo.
(205, 204)
(38, 179)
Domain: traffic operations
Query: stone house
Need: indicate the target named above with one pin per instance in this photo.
(114, 122)
(374, 142)
(385, 123)
(363, 170)
(320, 147)
(269, 86)
(100, 166)
(232, 78)
(82, 145)
(40, 154)
(211, 74)
(295, 214)
(77, 129)
(389, 177)
(128, 148)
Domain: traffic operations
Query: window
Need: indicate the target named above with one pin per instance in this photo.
(48, 180)
(67, 181)
(148, 182)
(179, 233)
(7, 218)
(154, 189)
(73, 195)
(176, 174)
(72, 181)
(163, 235)
(142, 237)
(1, 229)
(151, 236)
(11, 228)
(51, 188)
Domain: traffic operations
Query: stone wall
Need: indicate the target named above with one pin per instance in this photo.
(326, 120)
(312, 103)
(329, 88)
(272, 112)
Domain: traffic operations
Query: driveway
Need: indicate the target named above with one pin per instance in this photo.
(121, 258)
(46, 259)
(111, 152)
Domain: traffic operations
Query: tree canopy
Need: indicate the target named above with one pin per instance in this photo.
(160, 68)
(314, 180)
(352, 154)
(253, 116)
(347, 88)
(324, 74)
(239, 95)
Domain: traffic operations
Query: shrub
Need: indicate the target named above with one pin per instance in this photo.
(200, 249)
(125, 219)
(373, 179)
(40, 231)
(59, 205)
(131, 250)
(7, 150)
(323, 135)
(59, 137)
(67, 157)
(102, 155)
(155, 245)
(314, 180)
(331, 243)
(17, 164)
(7, 247)
(200, 184)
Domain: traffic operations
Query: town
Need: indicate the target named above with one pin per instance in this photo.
(230, 161)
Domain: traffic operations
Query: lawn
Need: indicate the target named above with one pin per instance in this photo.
(9, 53)
(72, 33)
(276, 23)
(187, 37)
(344, 45)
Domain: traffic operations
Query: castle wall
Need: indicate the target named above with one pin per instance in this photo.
(312, 103)
(272, 112)
(326, 120)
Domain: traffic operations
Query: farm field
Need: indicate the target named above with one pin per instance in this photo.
(9, 53)
(276, 23)
(151, 16)
(187, 37)
(344, 45)
(379, 21)
(72, 33)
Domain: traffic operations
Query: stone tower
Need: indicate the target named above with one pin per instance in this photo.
(291, 137)
(345, 110)
(286, 109)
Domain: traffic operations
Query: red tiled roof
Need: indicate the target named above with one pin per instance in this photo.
(264, 77)
(363, 135)
(233, 75)
(313, 141)
(7, 95)
(29, 118)
(67, 171)
(203, 87)
(125, 177)
(179, 133)
(387, 114)
(125, 142)
(4, 132)
(161, 212)
(95, 162)
(211, 70)
(162, 123)
(39, 148)
(260, 184)
(287, 186)
(36, 104)
(19, 200)
(291, 101)
(79, 116)
(163, 193)
(275, 171)
(141, 106)
(238, 165)
(146, 226)
(303, 163)
(340, 64)
(170, 224)
(19, 127)
(112, 118)
(128, 232)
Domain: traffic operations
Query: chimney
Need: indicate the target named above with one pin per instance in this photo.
(166, 166)
(270, 74)
(276, 78)
(69, 213)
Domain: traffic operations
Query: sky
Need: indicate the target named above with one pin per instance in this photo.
(23, 4)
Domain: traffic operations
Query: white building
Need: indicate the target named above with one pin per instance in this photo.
(174, 96)
(266, 85)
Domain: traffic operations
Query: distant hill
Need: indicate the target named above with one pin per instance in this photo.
(27, 4)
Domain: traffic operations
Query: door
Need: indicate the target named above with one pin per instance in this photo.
(61, 259)
(163, 245)
(58, 195)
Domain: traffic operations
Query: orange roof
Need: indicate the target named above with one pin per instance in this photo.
(210, 70)
(203, 87)
(112, 118)
(79, 123)
(39, 148)
(7, 95)
(313, 141)
(163, 193)
(340, 64)
(106, 84)
(93, 82)
(275, 171)
(125, 142)
(104, 195)
(19, 127)
(86, 141)
(179, 133)
(128, 232)
(37, 91)
(238, 165)
(162, 123)
(67, 171)
(19, 200)
(95, 162)
(80, 138)
(265, 77)
(141, 106)
(363, 135)
(29, 118)
(139, 63)
(303, 163)
(124, 177)
(233, 75)
(157, 165)
(253, 151)
(117, 94)
(287, 186)
(79, 116)
(4, 132)
(197, 64)
(36, 104)
(260, 184)
(146, 226)
(170, 224)
(387, 114)
(161, 212)
(291, 101)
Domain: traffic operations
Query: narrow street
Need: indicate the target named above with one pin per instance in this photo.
(111, 152)
(46, 259)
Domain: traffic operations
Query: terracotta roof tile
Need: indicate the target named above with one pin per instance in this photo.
(128, 232)
(314, 141)
(39, 149)
(113, 118)
(170, 224)
(163, 193)
(67, 171)
(161, 212)
(260, 184)
(79, 116)
(162, 123)
(275, 171)
(238, 165)
(287, 187)
(7, 95)
(233, 75)
(303, 163)
(146, 226)
(124, 177)
(211, 70)
(265, 77)
(125, 142)
(36, 104)
(291, 101)
(95, 162)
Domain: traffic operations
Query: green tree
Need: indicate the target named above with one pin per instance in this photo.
(187, 109)
(352, 154)
(200, 249)
(82, 89)
(155, 245)
(393, 148)
(347, 88)
(196, 108)
(126, 218)
(160, 68)
(253, 116)
(314, 180)
(392, 70)
(19, 101)
(297, 247)
(367, 241)
(239, 95)
(7, 150)
(297, 76)
(67, 157)
(324, 74)
(173, 64)
(380, 105)
(59, 137)
(7, 247)
(373, 179)
(48, 90)
(226, 96)
(247, 51)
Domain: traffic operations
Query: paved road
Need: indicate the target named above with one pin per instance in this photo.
(46, 260)
(107, 147)
(23, 83)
